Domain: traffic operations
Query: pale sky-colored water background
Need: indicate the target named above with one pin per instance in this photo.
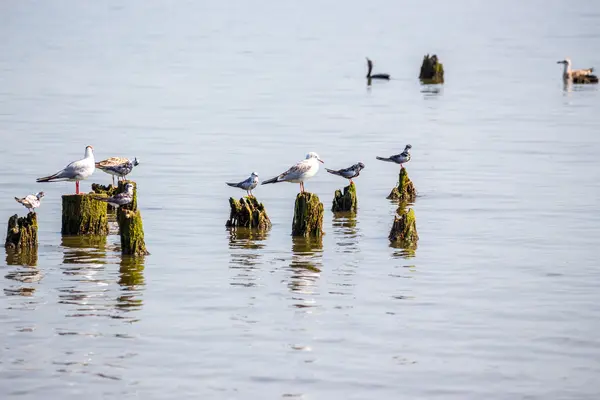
(500, 300)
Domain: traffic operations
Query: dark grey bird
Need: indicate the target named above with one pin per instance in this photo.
(119, 199)
(401, 158)
(248, 184)
(375, 76)
(348, 173)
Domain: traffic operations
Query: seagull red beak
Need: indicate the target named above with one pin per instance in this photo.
(321, 161)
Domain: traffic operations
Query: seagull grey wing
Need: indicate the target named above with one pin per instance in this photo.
(295, 172)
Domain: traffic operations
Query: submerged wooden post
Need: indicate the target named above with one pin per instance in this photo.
(405, 191)
(248, 213)
(346, 201)
(83, 215)
(308, 215)
(131, 228)
(22, 232)
(432, 71)
(404, 228)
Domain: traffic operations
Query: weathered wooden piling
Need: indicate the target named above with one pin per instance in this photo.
(83, 215)
(308, 215)
(247, 213)
(346, 201)
(405, 191)
(432, 71)
(22, 232)
(107, 191)
(404, 228)
(131, 229)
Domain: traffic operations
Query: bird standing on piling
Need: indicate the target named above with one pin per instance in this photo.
(117, 166)
(348, 173)
(75, 171)
(401, 158)
(32, 201)
(119, 199)
(300, 172)
(248, 184)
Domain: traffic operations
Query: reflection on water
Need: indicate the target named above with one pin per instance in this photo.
(245, 245)
(28, 256)
(83, 250)
(431, 91)
(27, 273)
(346, 233)
(305, 267)
(131, 280)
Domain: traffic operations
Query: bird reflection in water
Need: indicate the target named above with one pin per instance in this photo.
(307, 261)
(26, 273)
(245, 245)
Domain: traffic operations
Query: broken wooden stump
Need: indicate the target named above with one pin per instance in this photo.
(405, 191)
(432, 71)
(109, 191)
(404, 228)
(346, 201)
(308, 215)
(22, 232)
(131, 231)
(83, 215)
(247, 213)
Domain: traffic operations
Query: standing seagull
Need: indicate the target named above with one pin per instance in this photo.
(76, 171)
(376, 76)
(300, 172)
(119, 199)
(401, 158)
(348, 173)
(117, 166)
(248, 184)
(32, 201)
(577, 75)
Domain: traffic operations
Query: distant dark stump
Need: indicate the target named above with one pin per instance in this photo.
(404, 228)
(405, 192)
(308, 215)
(83, 215)
(347, 201)
(247, 213)
(22, 232)
(432, 71)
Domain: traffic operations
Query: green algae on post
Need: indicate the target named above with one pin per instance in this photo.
(405, 191)
(247, 213)
(346, 201)
(308, 215)
(432, 71)
(22, 233)
(404, 228)
(83, 215)
(131, 231)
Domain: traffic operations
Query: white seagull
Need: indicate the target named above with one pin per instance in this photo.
(32, 201)
(119, 199)
(248, 184)
(401, 158)
(300, 172)
(76, 171)
(117, 166)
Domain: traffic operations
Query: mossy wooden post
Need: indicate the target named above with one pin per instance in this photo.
(432, 71)
(105, 190)
(131, 228)
(308, 215)
(247, 213)
(404, 228)
(346, 201)
(22, 233)
(83, 215)
(405, 191)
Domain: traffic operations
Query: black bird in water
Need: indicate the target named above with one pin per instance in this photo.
(376, 76)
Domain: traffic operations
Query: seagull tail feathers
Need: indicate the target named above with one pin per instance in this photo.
(384, 159)
(272, 180)
(231, 184)
(47, 178)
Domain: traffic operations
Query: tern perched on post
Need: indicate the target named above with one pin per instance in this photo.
(401, 158)
(248, 184)
(348, 173)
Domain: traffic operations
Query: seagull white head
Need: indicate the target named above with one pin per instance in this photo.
(89, 150)
(254, 174)
(312, 154)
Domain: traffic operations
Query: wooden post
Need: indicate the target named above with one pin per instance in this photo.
(347, 201)
(82, 215)
(432, 71)
(405, 191)
(22, 233)
(404, 228)
(131, 229)
(247, 213)
(308, 215)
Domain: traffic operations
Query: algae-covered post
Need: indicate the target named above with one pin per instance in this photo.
(308, 215)
(83, 215)
(131, 228)
(346, 201)
(404, 228)
(248, 213)
(405, 191)
(22, 232)
(432, 71)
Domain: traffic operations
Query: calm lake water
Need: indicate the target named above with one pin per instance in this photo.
(499, 301)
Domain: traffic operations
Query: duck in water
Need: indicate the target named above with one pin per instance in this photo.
(376, 76)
